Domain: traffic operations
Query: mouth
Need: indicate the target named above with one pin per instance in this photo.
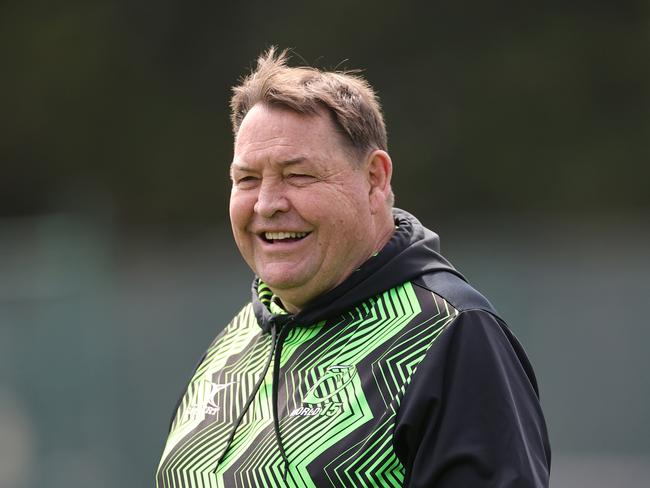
(276, 237)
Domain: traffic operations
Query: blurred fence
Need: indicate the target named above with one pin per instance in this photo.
(100, 330)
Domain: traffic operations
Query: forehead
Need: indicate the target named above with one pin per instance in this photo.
(280, 134)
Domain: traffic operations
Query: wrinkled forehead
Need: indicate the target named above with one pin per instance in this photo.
(278, 134)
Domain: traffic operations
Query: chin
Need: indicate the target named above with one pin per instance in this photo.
(279, 280)
(280, 285)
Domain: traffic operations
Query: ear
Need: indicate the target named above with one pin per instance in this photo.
(379, 171)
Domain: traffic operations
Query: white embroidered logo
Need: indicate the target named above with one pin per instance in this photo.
(204, 399)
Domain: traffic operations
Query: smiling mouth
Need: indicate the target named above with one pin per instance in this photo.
(273, 237)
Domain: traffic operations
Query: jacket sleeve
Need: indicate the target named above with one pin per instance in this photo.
(471, 416)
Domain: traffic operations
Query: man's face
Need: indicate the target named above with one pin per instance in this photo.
(300, 210)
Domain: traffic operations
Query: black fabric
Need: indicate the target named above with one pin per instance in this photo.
(471, 416)
(455, 290)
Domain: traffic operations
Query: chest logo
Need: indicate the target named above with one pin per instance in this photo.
(320, 398)
(204, 401)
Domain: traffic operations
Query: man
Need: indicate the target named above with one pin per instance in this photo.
(364, 358)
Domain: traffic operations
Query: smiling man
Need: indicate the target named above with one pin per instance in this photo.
(364, 357)
(305, 211)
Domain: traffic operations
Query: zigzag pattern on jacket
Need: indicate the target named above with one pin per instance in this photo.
(353, 371)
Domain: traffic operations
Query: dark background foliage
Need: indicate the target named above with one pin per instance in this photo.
(515, 107)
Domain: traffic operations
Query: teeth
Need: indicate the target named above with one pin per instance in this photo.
(275, 236)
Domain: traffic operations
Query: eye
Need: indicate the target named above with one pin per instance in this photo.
(246, 181)
(300, 178)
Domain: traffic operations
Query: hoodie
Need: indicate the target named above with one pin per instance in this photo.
(403, 375)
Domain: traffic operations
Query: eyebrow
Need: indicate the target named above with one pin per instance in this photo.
(291, 161)
(286, 162)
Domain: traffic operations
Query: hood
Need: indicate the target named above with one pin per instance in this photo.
(412, 251)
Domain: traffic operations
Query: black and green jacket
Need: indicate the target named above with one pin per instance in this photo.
(403, 375)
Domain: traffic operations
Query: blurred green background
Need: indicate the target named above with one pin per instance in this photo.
(117, 266)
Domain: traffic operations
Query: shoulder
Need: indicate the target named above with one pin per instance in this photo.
(455, 290)
(478, 331)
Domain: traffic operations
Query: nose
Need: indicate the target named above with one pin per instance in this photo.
(271, 199)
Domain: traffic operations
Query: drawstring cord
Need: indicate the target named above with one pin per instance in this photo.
(250, 398)
(275, 388)
(277, 341)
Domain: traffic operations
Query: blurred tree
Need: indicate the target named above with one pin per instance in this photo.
(525, 108)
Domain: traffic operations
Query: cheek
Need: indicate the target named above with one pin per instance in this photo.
(239, 209)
